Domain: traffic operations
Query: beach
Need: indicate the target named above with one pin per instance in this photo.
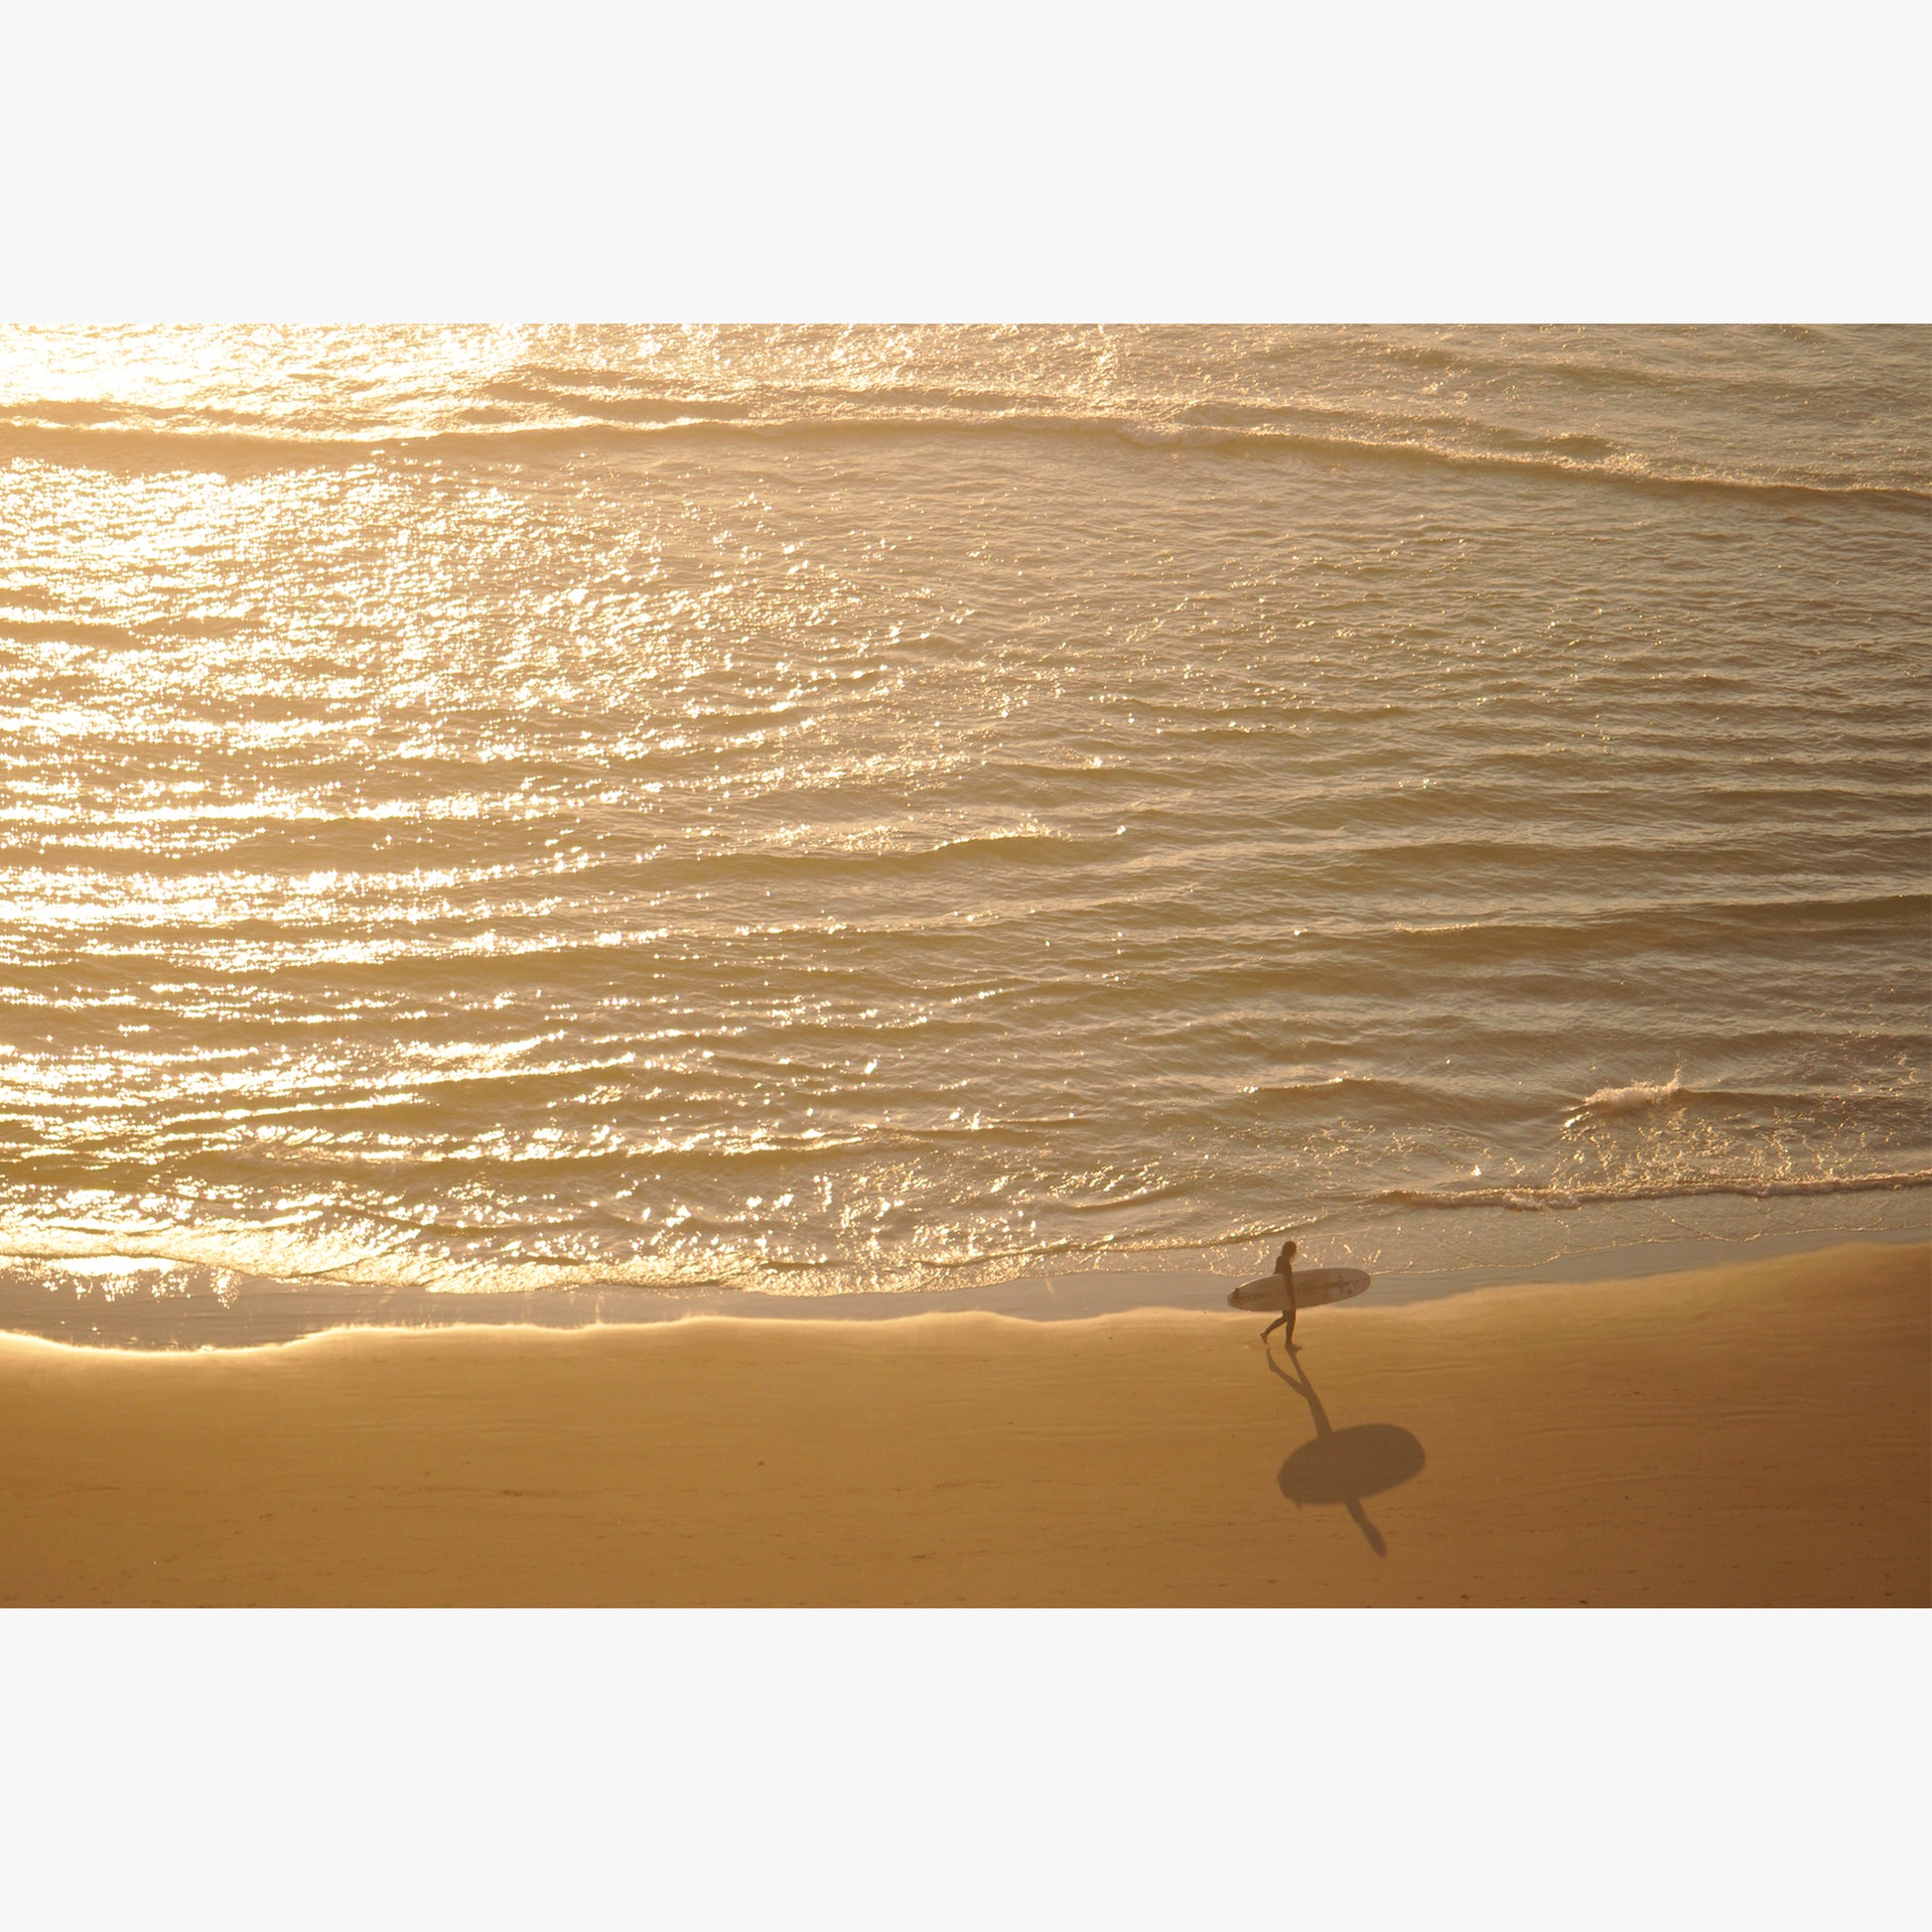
(1755, 1434)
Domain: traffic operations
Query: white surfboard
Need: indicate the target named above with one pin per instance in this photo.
(1312, 1287)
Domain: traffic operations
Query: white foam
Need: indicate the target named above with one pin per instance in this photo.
(117, 1264)
(1640, 1093)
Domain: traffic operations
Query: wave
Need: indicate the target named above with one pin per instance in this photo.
(1640, 1093)
(1659, 925)
(1550, 1199)
(191, 444)
(1643, 1095)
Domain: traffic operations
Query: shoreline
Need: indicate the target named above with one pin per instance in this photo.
(1732, 1435)
(278, 1313)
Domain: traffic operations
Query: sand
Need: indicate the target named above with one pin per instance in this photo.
(1752, 1435)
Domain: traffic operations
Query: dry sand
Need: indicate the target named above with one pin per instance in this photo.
(1751, 1434)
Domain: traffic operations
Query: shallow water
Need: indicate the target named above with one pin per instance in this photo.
(509, 810)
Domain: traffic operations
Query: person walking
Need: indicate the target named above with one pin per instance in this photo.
(1285, 1267)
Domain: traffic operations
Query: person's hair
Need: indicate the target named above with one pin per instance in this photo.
(1289, 1247)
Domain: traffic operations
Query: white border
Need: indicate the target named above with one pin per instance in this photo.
(1685, 161)
(1536, 1769)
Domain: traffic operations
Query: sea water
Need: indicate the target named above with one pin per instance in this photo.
(520, 814)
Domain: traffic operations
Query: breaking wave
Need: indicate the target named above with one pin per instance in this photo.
(1640, 1093)
(1539, 1199)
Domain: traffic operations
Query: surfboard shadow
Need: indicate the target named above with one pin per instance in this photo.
(1342, 1465)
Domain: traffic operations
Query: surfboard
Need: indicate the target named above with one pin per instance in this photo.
(1312, 1287)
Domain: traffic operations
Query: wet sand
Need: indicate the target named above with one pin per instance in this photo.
(1759, 1433)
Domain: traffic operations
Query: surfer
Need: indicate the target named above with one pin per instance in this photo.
(1285, 1267)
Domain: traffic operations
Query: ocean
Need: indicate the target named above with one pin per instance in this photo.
(569, 824)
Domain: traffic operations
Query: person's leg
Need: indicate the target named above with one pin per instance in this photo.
(1276, 1324)
(1287, 1340)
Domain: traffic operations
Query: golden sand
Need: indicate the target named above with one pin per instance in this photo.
(1759, 1433)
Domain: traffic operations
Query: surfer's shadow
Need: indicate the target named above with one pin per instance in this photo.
(1345, 1465)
